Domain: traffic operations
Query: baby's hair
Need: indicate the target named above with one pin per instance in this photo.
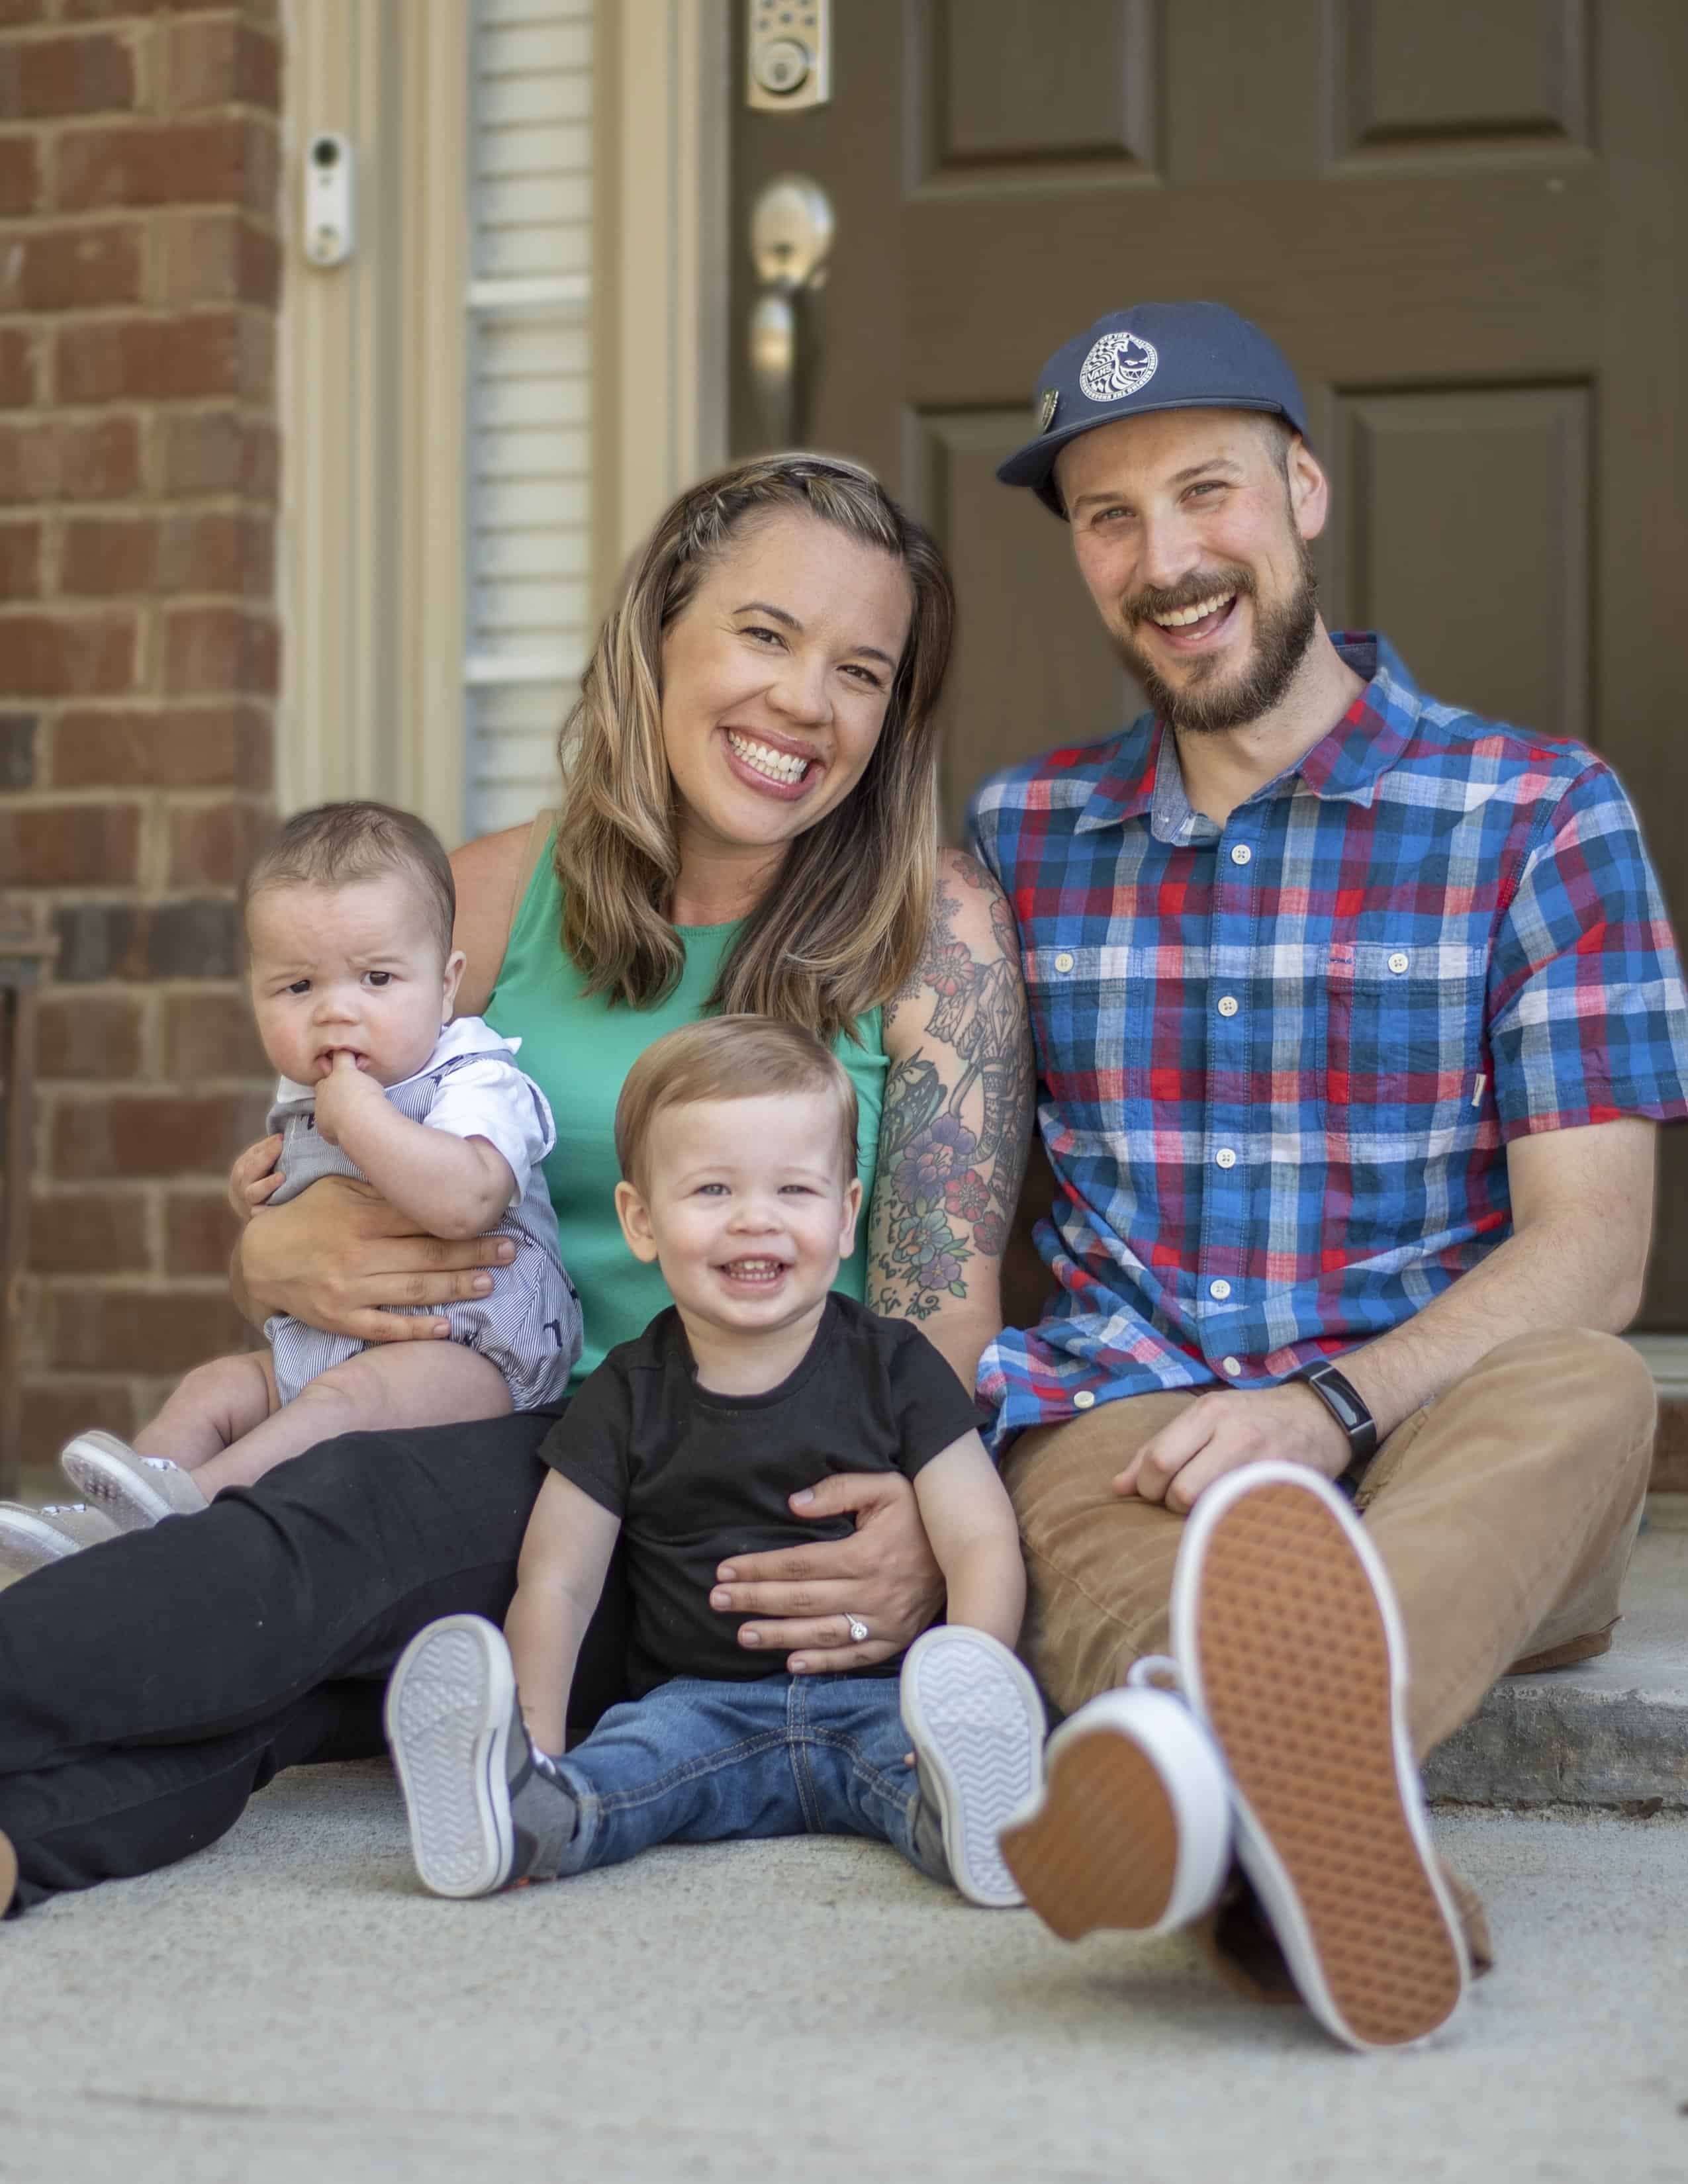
(339, 844)
(731, 1057)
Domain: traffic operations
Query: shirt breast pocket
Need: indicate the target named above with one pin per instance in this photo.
(1090, 1013)
(1405, 1040)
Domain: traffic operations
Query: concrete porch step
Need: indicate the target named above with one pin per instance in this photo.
(1611, 1733)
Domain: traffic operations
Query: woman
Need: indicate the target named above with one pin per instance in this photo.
(749, 822)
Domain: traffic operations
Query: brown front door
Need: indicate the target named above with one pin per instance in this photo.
(1457, 221)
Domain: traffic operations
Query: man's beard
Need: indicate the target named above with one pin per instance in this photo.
(1282, 635)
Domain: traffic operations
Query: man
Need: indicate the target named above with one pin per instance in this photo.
(1354, 1014)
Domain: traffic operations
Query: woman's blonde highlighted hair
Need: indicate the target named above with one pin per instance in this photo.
(842, 923)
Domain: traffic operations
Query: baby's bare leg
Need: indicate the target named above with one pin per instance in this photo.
(212, 1407)
(399, 1383)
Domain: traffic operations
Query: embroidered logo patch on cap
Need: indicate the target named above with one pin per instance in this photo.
(1117, 365)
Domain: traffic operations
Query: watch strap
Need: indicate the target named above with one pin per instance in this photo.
(1340, 1398)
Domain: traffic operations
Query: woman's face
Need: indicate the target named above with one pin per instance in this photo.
(776, 679)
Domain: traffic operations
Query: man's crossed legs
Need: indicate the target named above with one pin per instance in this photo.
(1498, 1523)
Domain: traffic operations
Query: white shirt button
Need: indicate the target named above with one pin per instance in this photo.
(1231, 1365)
(1220, 1289)
(1228, 1005)
(1083, 1399)
(1398, 962)
(1225, 1157)
(1063, 961)
(1240, 853)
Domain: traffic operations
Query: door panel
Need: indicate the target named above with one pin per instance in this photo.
(1430, 70)
(1022, 673)
(1462, 224)
(995, 85)
(1403, 464)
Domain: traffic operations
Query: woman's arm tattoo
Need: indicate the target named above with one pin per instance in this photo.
(956, 1119)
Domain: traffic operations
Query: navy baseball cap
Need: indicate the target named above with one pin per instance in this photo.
(1154, 356)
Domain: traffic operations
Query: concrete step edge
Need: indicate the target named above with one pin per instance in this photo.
(1535, 1742)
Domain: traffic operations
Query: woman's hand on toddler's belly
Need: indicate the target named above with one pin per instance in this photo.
(338, 1257)
(883, 1575)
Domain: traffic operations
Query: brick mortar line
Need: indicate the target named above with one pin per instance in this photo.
(87, 121)
(144, 308)
(196, 1184)
(130, 217)
(193, 797)
(80, 318)
(74, 605)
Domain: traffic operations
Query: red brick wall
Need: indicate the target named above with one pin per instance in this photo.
(140, 273)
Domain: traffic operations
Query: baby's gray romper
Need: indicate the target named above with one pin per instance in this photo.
(529, 1325)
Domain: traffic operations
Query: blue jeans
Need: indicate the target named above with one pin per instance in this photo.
(704, 1762)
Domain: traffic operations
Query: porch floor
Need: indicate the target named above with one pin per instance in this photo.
(289, 2003)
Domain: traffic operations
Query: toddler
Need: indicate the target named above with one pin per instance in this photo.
(737, 1138)
(348, 917)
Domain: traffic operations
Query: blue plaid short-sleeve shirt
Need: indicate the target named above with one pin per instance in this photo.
(1280, 1062)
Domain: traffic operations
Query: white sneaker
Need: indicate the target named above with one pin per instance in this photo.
(1291, 1651)
(29, 1539)
(133, 1490)
(1133, 1830)
(977, 1722)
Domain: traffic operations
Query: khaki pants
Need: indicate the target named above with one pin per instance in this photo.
(1504, 1513)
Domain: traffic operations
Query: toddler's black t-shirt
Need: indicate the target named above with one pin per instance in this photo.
(696, 1477)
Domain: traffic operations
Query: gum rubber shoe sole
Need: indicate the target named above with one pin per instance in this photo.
(448, 1713)
(1102, 1849)
(1291, 1651)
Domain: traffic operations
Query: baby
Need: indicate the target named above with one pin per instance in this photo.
(737, 1138)
(347, 918)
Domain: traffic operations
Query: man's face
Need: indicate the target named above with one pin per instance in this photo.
(1191, 535)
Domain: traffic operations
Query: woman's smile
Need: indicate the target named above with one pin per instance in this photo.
(773, 764)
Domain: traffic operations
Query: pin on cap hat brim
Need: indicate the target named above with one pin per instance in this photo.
(1033, 464)
(1154, 356)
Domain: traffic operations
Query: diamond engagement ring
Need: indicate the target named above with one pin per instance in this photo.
(858, 1629)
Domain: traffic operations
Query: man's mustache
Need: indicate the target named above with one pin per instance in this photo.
(1188, 592)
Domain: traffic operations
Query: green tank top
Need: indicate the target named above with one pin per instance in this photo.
(577, 1049)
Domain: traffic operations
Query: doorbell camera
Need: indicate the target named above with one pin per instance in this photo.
(328, 235)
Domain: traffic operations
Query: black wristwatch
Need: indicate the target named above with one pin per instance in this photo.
(1340, 1398)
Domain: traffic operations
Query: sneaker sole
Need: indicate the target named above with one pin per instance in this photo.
(29, 1542)
(109, 1484)
(1112, 1843)
(1291, 1650)
(977, 1719)
(1103, 1852)
(448, 1715)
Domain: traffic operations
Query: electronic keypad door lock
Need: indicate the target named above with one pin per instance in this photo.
(789, 54)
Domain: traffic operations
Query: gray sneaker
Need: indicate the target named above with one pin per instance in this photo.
(486, 1812)
(29, 1539)
(133, 1490)
(977, 1726)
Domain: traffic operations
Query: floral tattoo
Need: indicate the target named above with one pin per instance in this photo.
(956, 1120)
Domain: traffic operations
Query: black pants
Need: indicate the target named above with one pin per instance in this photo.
(148, 1685)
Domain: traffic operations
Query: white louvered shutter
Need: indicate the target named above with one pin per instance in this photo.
(529, 389)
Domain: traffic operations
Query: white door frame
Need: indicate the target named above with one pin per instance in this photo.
(372, 397)
(660, 354)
